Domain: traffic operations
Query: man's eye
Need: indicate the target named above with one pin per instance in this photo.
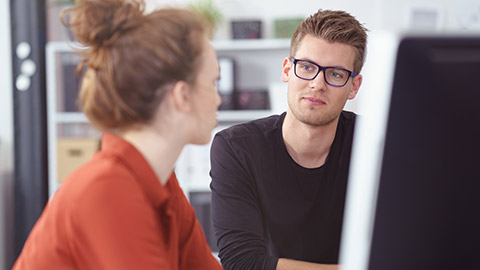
(307, 67)
(337, 74)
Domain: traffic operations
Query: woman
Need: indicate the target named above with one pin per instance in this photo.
(150, 85)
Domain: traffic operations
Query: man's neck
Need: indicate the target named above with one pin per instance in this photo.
(308, 145)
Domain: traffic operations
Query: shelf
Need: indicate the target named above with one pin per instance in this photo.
(241, 115)
(247, 52)
(219, 45)
(71, 118)
(251, 44)
(223, 116)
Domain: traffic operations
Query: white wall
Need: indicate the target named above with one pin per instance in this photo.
(268, 10)
(376, 15)
(6, 138)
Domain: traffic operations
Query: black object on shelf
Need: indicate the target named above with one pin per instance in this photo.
(252, 100)
(246, 29)
(71, 86)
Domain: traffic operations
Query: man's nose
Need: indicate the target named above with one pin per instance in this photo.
(318, 83)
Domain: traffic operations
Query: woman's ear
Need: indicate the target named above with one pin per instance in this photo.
(287, 65)
(181, 95)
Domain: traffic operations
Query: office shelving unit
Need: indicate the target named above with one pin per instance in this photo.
(193, 165)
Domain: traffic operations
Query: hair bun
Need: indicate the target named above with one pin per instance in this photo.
(101, 22)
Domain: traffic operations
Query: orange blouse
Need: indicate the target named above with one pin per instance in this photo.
(113, 213)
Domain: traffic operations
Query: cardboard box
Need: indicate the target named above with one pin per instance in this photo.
(72, 153)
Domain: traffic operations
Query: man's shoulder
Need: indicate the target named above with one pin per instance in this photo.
(348, 116)
(347, 120)
(346, 127)
(249, 142)
(252, 129)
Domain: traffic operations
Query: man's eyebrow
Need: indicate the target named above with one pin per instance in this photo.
(308, 59)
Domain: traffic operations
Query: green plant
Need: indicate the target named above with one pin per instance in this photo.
(210, 11)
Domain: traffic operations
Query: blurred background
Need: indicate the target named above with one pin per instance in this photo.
(43, 136)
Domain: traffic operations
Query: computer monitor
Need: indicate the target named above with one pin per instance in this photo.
(413, 200)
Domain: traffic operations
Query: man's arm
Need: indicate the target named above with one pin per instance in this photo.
(236, 212)
(287, 264)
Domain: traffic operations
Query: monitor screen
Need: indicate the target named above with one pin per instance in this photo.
(426, 207)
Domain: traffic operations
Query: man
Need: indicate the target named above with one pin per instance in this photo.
(279, 183)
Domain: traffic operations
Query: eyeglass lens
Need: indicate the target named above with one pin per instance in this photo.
(308, 71)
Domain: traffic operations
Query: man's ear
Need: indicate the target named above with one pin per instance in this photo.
(287, 65)
(357, 81)
(181, 95)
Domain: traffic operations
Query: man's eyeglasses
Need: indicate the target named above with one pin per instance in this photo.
(334, 76)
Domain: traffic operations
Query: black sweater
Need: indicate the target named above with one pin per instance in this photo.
(265, 206)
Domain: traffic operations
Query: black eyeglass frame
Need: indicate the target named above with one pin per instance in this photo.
(320, 68)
